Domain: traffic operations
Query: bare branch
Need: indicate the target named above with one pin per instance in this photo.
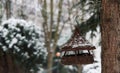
(58, 21)
(45, 25)
(51, 19)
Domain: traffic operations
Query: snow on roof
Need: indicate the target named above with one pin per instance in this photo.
(77, 42)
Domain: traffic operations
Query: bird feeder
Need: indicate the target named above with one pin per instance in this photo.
(77, 50)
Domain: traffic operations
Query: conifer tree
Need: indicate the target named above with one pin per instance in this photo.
(23, 43)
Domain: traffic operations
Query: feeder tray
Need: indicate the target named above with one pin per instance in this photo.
(77, 59)
(77, 44)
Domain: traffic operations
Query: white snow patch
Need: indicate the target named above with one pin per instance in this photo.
(14, 41)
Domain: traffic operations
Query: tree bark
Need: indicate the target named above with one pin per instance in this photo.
(80, 68)
(110, 31)
(50, 50)
(50, 62)
(8, 8)
(7, 64)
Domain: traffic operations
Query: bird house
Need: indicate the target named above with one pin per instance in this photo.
(77, 50)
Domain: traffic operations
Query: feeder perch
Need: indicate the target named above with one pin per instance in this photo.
(77, 50)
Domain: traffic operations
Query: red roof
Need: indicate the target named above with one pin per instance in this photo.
(77, 42)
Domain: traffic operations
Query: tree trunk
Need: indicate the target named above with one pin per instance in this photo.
(50, 62)
(80, 68)
(8, 8)
(7, 64)
(110, 30)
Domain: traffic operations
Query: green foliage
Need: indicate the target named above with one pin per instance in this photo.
(90, 24)
(25, 42)
(94, 10)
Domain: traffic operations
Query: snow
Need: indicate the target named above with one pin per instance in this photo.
(17, 48)
(71, 67)
(95, 67)
(5, 32)
(65, 35)
(4, 48)
(92, 68)
(77, 45)
(26, 54)
(14, 41)
(1, 28)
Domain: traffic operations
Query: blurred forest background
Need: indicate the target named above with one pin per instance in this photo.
(32, 32)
